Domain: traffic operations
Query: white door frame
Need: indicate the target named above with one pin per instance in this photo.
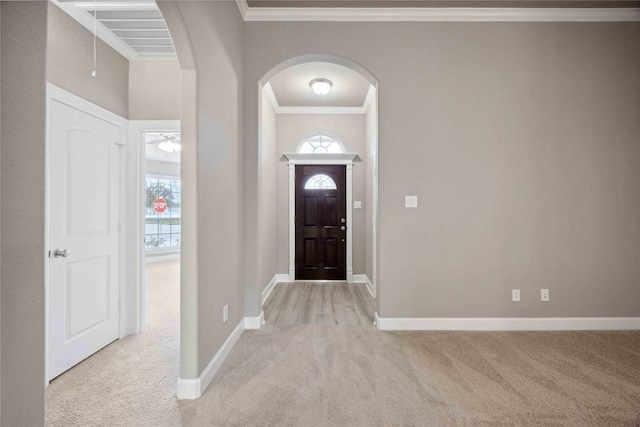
(319, 159)
(136, 211)
(74, 101)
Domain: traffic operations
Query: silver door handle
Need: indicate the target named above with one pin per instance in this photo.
(343, 228)
(61, 253)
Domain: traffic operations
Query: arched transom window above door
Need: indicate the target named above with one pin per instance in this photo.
(320, 142)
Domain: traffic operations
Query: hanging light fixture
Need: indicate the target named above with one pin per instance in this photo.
(321, 86)
(170, 145)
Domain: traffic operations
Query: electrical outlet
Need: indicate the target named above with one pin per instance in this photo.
(544, 294)
(515, 294)
(225, 313)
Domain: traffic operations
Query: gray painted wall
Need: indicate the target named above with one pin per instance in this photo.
(22, 167)
(350, 128)
(371, 141)
(70, 63)
(270, 215)
(0, 211)
(210, 47)
(521, 142)
(154, 90)
(189, 165)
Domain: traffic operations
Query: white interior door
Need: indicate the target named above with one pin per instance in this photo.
(84, 236)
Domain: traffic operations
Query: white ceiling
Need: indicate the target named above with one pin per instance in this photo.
(135, 29)
(291, 86)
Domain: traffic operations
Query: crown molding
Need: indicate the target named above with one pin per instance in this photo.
(271, 96)
(273, 100)
(321, 159)
(439, 14)
(321, 110)
(371, 94)
(244, 8)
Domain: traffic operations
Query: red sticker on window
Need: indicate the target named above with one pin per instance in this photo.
(160, 205)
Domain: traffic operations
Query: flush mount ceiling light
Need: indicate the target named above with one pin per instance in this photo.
(321, 86)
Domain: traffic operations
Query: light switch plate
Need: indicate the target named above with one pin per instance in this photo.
(357, 204)
(410, 201)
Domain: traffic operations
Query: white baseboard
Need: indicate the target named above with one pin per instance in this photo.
(161, 258)
(508, 324)
(254, 322)
(363, 278)
(277, 278)
(267, 291)
(188, 389)
(193, 388)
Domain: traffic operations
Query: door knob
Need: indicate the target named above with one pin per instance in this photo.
(343, 228)
(61, 253)
(342, 220)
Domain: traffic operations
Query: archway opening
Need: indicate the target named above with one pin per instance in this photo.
(298, 126)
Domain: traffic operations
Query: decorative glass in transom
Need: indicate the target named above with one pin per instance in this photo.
(320, 182)
(320, 144)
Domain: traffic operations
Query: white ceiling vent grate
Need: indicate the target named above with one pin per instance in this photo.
(135, 29)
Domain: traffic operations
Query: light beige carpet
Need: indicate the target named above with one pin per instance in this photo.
(131, 382)
(358, 376)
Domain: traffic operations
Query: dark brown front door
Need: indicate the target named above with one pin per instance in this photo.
(321, 222)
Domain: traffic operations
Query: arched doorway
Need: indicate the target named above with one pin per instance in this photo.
(280, 144)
